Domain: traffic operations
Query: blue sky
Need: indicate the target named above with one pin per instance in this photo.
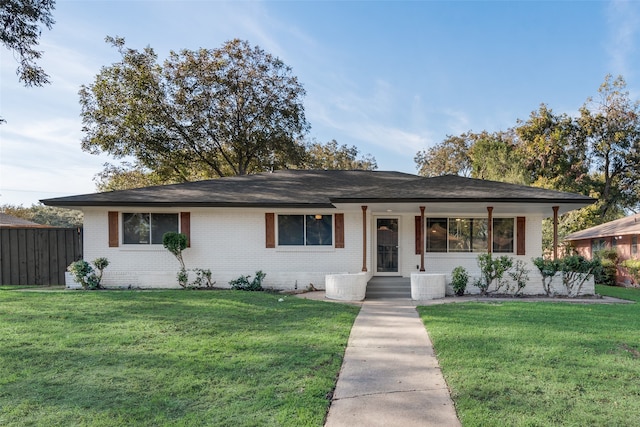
(391, 78)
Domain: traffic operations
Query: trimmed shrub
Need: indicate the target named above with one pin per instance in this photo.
(459, 280)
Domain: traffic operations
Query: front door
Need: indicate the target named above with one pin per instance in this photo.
(387, 245)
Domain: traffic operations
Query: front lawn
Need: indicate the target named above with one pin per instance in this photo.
(541, 364)
(168, 358)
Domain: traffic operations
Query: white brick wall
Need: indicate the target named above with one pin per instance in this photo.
(231, 242)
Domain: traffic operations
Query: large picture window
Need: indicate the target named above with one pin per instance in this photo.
(305, 230)
(468, 234)
(147, 228)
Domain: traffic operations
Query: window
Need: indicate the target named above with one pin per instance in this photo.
(469, 235)
(503, 235)
(305, 230)
(436, 234)
(598, 245)
(147, 228)
(634, 246)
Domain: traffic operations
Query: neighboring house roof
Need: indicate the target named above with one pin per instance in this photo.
(321, 189)
(7, 221)
(619, 227)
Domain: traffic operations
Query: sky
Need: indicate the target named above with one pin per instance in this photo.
(390, 77)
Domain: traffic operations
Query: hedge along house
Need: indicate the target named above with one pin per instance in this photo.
(620, 235)
(298, 226)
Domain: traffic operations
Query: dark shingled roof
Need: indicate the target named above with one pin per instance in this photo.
(305, 188)
(620, 227)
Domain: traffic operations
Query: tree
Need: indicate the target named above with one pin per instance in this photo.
(451, 156)
(46, 215)
(126, 176)
(611, 129)
(20, 30)
(494, 157)
(234, 110)
(332, 156)
(553, 154)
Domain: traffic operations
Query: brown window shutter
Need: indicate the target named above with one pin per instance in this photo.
(418, 234)
(520, 235)
(113, 229)
(185, 226)
(270, 227)
(339, 220)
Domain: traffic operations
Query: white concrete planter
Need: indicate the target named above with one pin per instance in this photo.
(427, 286)
(346, 287)
(70, 282)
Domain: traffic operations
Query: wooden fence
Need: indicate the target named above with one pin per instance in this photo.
(38, 256)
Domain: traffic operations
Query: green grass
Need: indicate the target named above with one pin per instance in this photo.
(168, 358)
(541, 364)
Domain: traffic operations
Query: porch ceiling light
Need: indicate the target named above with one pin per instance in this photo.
(318, 216)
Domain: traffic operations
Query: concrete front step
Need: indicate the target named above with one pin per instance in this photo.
(388, 288)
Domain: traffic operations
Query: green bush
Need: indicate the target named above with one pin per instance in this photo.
(606, 272)
(203, 278)
(492, 270)
(176, 243)
(242, 283)
(459, 280)
(576, 270)
(548, 269)
(520, 276)
(84, 274)
(633, 267)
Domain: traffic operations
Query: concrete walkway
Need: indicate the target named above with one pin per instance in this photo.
(390, 375)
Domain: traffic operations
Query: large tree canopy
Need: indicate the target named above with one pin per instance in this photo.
(595, 154)
(611, 128)
(554, 155)
(234, 110)
(20, 30)
(450, 157)
(333, 156)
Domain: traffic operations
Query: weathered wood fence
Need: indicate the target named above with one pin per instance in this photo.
(38, 256)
